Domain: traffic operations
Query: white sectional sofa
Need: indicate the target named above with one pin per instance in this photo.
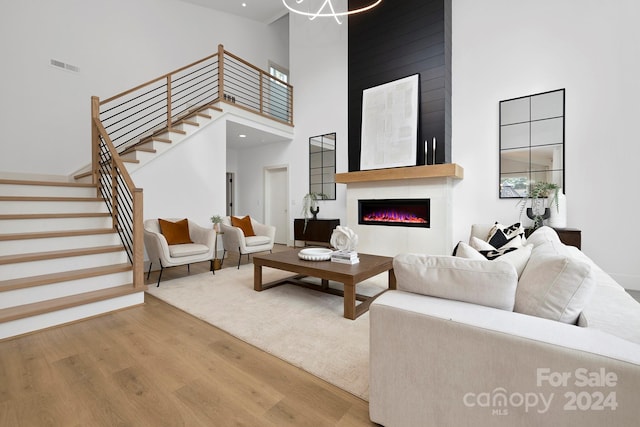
(448, 349)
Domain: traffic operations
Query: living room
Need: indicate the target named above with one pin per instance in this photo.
(501, 50)
(489, 66)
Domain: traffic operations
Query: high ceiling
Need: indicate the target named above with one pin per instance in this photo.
(266, 11)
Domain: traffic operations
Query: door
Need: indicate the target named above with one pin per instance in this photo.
(276, 197)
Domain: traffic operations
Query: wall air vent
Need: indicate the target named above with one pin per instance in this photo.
(63, 66)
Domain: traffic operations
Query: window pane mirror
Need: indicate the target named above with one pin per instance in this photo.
(531, 142)
(322, 165)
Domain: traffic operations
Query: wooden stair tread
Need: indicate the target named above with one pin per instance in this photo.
(145, 149)
(48, 183)
(34, 309)
(49, 199)
(46, 279)
(124, 160)
(152, 138)
(181, 132)
(165, 140)
(56, 215)
(38, 256)
(206, 116)
(83, 175)
(47, 234)
(188, 122)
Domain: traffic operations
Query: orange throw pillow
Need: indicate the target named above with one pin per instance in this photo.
(176, 233)
(244, 224)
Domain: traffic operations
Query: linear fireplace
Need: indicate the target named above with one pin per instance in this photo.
(395, 212)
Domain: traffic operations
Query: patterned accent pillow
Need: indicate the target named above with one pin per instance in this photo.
(501, 235)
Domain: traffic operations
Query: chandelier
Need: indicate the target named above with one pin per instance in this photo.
(326, 9)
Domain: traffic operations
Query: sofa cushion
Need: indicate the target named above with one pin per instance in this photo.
(492, 284)
(176, 233)
(554, 285)
(611, 309)
(244, 224)
(257, 240)
(189, 249)
(543, 235)
(518, 257)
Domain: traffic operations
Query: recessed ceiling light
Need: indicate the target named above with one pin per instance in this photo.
(244, 5)
(242, 135)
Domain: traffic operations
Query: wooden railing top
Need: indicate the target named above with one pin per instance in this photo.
(163, 77)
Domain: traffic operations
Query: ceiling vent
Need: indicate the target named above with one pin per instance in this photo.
(63, 66)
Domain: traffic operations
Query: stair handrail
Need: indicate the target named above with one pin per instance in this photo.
(157, 106)
(124, 200)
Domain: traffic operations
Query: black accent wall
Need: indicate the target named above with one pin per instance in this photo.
(396, 39)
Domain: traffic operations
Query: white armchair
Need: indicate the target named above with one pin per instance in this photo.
(202, 248)
(234, 239)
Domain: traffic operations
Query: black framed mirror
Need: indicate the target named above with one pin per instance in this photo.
(531, 142)
(322, 165)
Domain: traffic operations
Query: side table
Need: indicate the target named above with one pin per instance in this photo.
(317, 230)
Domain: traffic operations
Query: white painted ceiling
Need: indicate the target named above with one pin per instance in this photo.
(253, 137)
(265, 11)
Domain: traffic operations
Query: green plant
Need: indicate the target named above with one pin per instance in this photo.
(540, 191)
(216, 219)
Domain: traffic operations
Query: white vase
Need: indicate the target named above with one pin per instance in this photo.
(559, 215)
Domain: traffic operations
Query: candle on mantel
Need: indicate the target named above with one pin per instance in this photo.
(434, 151)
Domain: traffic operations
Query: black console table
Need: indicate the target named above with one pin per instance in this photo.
(317, 231)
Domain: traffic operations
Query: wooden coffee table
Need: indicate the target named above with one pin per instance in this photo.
(348, 275)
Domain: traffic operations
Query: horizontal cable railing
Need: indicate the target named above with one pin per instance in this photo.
(256, 90)
(157, 106)
(123, 199)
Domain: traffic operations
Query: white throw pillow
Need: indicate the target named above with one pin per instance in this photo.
(463, 250)
(492, 284)
(554, 285)
(518, 256)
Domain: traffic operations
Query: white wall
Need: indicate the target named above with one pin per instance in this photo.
(318, 67)
(187, 180)
(503, 49)
(117, 44)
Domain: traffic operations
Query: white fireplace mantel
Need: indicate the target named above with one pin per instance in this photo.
(430, 181)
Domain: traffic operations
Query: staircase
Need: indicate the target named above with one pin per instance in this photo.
(60, 258)
(66, 253)
(138, 155)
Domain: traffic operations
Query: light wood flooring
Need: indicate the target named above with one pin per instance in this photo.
(155, 365)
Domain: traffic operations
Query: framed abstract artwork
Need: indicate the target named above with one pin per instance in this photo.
(390, 124)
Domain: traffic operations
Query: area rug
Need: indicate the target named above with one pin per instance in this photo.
(301, 326)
